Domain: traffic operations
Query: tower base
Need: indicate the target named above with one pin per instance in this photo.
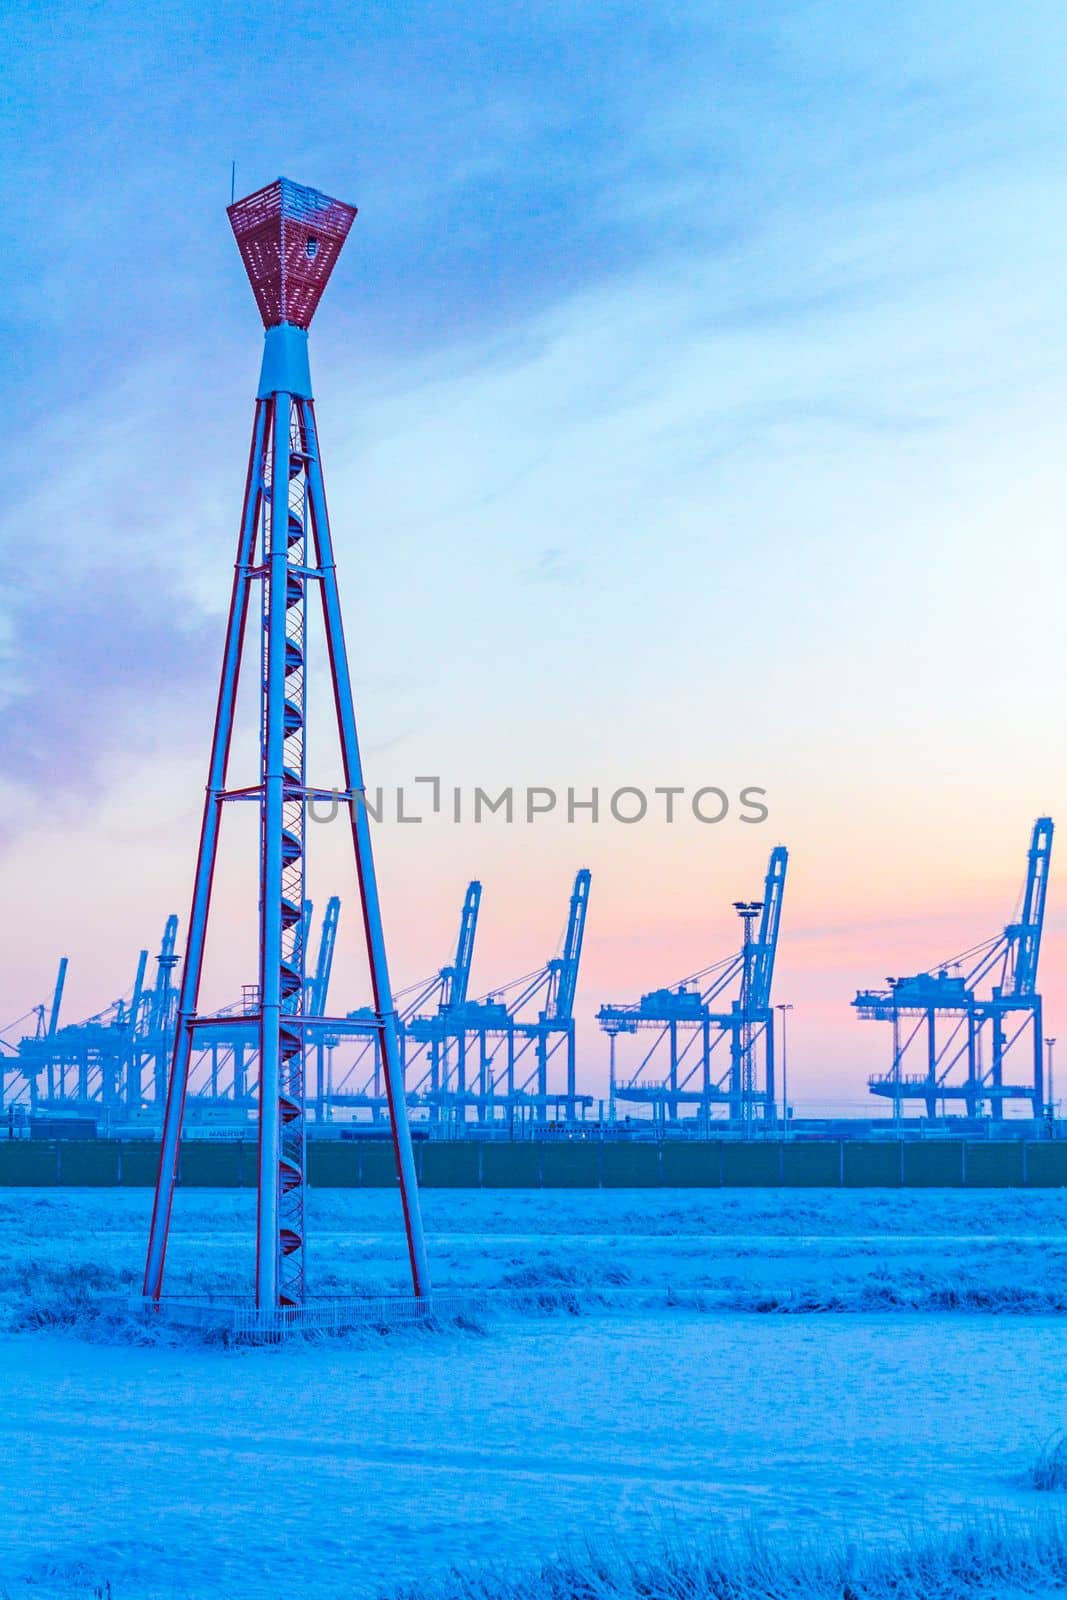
(239, 1321)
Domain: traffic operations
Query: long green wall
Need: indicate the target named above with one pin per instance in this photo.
(471, 1164)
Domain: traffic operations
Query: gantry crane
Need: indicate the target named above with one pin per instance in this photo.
(443, 1032)
(436, 1040)
(521, 1081)
(428, 1028)
(97, 1064)
(965, 1040)
(82, 1064)
(17, 1059)
(116, 1060)
(727, 1003)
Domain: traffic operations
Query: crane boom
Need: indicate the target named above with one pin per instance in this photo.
(1024, 936)
(563, 970)
(165, 963)
(770, 922)
(457, 977)
(57, 997)
(320, 983)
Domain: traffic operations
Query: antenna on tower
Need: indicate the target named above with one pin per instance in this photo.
(233, 182)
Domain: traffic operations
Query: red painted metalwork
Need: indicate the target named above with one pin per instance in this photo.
(289, 237)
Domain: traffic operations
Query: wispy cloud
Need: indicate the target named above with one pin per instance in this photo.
(91, 669)
(553, 566)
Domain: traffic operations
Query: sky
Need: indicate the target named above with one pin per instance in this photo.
(691, 398)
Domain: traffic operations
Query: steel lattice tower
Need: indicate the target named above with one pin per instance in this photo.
(289, 238)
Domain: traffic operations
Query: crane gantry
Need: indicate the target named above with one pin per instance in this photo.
(968, 1040)
(725, 1005)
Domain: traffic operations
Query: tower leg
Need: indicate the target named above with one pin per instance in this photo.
(736, 1057)
(705, 1073)
(972, 1067)
(770, 1104)
(572, 1086)
(611, 1078)
(542, 1075)
(485, 1079)
(360, 822)
(205, 869)
(997, 1109)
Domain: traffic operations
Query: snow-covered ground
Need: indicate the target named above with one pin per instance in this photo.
(644, 1402)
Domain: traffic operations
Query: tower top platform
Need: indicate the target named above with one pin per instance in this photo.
(289, 237)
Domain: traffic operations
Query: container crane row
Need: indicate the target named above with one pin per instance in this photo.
(966, 1032)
